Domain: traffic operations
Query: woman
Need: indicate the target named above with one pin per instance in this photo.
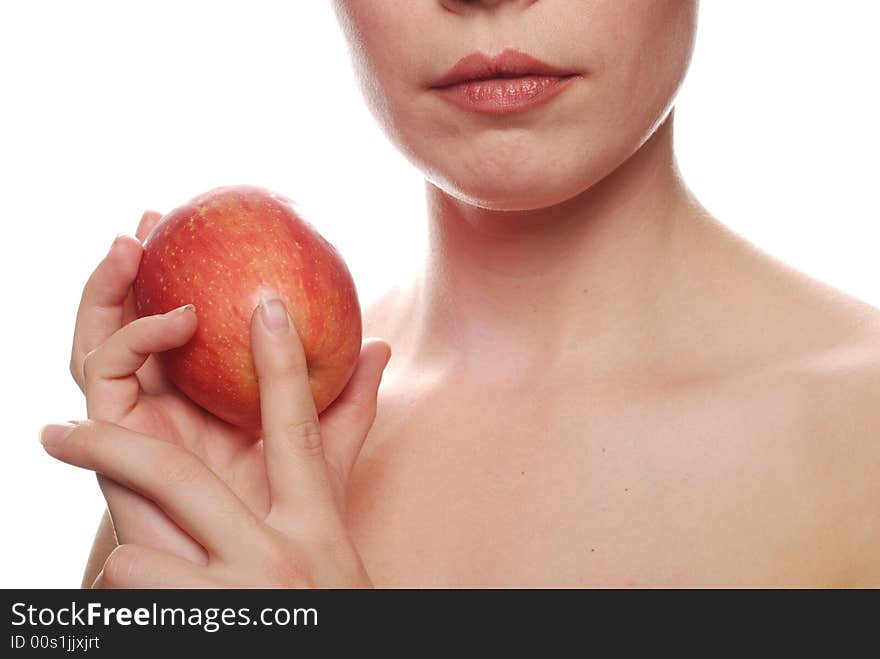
(594, 383)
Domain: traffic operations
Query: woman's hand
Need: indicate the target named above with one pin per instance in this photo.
(298, 540)
(112, 362)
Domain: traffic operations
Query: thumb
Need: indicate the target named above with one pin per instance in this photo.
(345, 424)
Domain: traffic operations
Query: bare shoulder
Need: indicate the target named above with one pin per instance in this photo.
(803, 359)
(803, 362)
(830, 342)
(839, 388)
(842, 387)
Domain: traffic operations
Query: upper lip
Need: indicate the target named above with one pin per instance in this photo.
(509, 63)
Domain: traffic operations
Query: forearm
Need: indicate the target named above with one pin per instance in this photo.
(105, 542)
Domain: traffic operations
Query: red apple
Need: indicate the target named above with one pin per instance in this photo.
(221, 251)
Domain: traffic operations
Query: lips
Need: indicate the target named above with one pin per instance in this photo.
(510, 63)
(510, 82)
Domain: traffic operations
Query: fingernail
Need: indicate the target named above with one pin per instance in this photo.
(53, 434)
(181, 310)
(274, 315)
(119, 237)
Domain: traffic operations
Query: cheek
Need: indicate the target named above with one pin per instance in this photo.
(381, 42)
(646, 47)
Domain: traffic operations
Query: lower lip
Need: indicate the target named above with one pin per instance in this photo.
(505, 95)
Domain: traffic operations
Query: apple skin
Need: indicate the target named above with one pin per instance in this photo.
(221, 251)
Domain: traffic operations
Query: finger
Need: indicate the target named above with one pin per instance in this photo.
(177, 480)
(138, 520)
(152, 380)
(149, 220)
(150, 375)
(345, 424)
(101, 306)
(295, 466)
(135, 566)
(111, 386)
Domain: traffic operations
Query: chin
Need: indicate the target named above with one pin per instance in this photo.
(507, 191)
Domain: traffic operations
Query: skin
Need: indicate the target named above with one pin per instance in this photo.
(193, 501)
(594, 382)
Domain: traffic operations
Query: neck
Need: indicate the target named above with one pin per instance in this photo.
(509, 293)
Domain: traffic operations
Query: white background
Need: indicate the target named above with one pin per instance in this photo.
(108, 108)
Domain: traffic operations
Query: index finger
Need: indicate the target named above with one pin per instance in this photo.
(298, 478)
(102, 308)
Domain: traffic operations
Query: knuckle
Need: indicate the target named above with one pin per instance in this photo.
(178, 467)
(76, 370)
(304, 437)
(120, 565)
(88, 365)
(130, 333)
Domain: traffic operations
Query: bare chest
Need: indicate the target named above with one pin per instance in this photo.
(577, 490)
